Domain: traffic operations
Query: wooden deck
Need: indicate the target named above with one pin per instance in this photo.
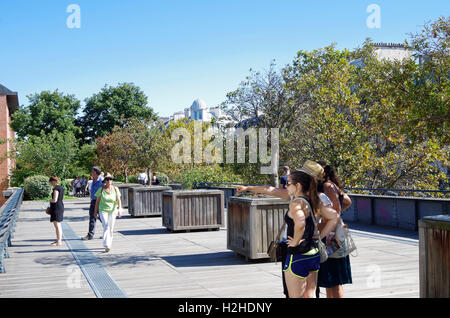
(148, 261)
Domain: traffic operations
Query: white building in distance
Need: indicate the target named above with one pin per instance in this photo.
(392, 51)
(199, 111)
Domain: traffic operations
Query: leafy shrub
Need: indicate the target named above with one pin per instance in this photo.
(67, 186)
(132, 179)
(119, 178)
(163, 178)
(18, 176)
(213, 173)
(37, 187)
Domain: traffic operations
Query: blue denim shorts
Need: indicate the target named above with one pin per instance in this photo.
(302, 264)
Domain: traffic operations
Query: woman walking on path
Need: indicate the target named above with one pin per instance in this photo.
(89, 186)
(334, 272)
(57, 208)
(108, 206)
(303, 260)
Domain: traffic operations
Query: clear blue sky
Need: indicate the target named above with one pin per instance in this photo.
(179, 50)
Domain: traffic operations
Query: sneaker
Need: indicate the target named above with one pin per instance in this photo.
(107, 249)
(86, 238)
(101, 237)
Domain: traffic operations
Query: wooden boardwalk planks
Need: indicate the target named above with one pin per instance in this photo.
(147, 260)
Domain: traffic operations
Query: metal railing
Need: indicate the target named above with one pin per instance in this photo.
(9, 213)
(372, 191)
(395, 192)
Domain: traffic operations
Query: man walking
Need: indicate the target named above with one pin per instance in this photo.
(97, 183)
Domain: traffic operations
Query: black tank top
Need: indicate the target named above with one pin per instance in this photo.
(308, 243)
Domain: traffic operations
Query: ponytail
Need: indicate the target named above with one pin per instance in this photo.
(309, 187)
(314, 196)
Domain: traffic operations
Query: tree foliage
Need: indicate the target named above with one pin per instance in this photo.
(47, 154)
(134, 145)
(104, 110)
(47, 111)
(381, 123)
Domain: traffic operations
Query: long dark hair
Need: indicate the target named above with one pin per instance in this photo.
(330, 175)
(309, 187)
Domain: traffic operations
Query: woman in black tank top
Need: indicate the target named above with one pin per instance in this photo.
(302, 260)
(307, 242)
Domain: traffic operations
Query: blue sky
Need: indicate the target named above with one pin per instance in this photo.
(179, 50)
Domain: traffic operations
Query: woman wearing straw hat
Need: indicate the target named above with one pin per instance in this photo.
(108, 206)
(334, 272)
(302, 260)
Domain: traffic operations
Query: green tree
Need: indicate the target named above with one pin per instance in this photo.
(263, 99)
(47, 154)
(153, 146)
(105, 109)
(354, 119)
(86, 157)
(115, 151)
(331, 126)
(46, 112)
(431, 94)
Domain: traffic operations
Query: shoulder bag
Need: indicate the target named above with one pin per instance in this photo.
(274, 246)
(321, 246)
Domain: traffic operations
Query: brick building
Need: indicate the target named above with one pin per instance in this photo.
(9, 103)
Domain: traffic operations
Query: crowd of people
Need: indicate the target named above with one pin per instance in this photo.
(105, 204)
(81, 186)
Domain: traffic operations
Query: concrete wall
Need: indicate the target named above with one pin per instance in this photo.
(400, 212)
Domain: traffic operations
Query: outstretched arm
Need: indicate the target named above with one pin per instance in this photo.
(269, 190)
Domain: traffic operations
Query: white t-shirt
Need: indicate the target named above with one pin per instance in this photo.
(142, 177)
(89, 185)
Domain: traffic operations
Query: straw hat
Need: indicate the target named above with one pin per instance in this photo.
(108, 176)
(313, 169)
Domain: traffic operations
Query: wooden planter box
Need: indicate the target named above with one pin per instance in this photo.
(253, 223)
(227, 191)
(146, 201)
(123, 188)
(192, 209)
(176, 186)
(434, 256)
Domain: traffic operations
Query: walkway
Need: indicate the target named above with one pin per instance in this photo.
(148, 261)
